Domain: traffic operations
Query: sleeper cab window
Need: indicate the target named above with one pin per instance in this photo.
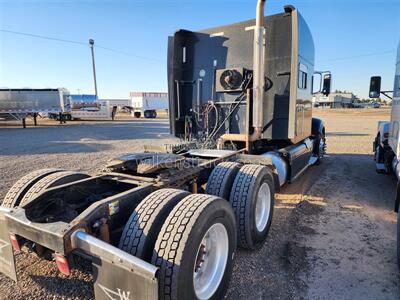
(302, 78)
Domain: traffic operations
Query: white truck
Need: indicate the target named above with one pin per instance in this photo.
(387, 141)
(147, 104)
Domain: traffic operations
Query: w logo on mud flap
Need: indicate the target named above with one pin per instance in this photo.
(3, 244)
(3, 257)
(116, 295)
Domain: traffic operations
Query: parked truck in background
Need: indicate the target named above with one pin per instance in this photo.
(386, 145)
(18, 104)
(165, 224)
(146, 104)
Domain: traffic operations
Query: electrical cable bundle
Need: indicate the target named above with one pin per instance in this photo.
(232, 109)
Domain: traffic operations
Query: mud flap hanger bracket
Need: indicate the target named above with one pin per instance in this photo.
(117, 274)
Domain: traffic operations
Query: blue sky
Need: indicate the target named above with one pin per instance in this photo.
(354, 39)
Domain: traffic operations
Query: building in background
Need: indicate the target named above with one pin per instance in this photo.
(334, 100)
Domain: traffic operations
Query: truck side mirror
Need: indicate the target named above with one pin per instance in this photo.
(321, 83)
(326, 84)
(375, 87)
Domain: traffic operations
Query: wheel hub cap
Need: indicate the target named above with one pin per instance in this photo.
(263, 207)
(211, 259)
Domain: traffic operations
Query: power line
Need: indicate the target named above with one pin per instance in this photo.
(42, 37)
(78, 43)
(158, 60)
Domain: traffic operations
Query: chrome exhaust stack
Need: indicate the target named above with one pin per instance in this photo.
(258, 71)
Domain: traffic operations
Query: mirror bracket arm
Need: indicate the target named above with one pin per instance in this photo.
(385, 94)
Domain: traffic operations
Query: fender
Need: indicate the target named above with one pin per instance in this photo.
(317, 126)
(383, 132)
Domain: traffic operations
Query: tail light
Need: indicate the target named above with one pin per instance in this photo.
(62, 264)
(14, 242)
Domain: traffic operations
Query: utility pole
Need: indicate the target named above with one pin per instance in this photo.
(91, 44)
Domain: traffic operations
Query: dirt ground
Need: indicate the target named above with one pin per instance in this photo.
(332, 236)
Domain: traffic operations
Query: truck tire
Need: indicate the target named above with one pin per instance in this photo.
(137, 114)
(147, 114)
(141, 230)
(221, 179)
(21, 187)
(252, 199)
(50, 181)
(198, 225)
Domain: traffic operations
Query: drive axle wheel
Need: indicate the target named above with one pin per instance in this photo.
(50, 181)
(221, 179)
(21, 187)
(141, 230)
(252, 199)
(195, 249)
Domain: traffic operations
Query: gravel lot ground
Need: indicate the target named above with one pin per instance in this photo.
(332, 236)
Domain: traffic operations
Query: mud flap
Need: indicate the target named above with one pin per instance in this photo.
(113, 282)
(117, 274)
(7, 260)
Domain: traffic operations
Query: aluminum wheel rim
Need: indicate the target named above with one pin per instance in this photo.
(211, 259)
(263, 206)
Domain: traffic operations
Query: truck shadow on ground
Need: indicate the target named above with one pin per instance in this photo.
(65, 287)
(278, 270)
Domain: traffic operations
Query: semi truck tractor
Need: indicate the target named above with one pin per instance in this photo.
(166, 223)
(386, 145)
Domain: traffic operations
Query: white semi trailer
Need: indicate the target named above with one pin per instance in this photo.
(147, 104)
(387, 141)
(18, 104)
